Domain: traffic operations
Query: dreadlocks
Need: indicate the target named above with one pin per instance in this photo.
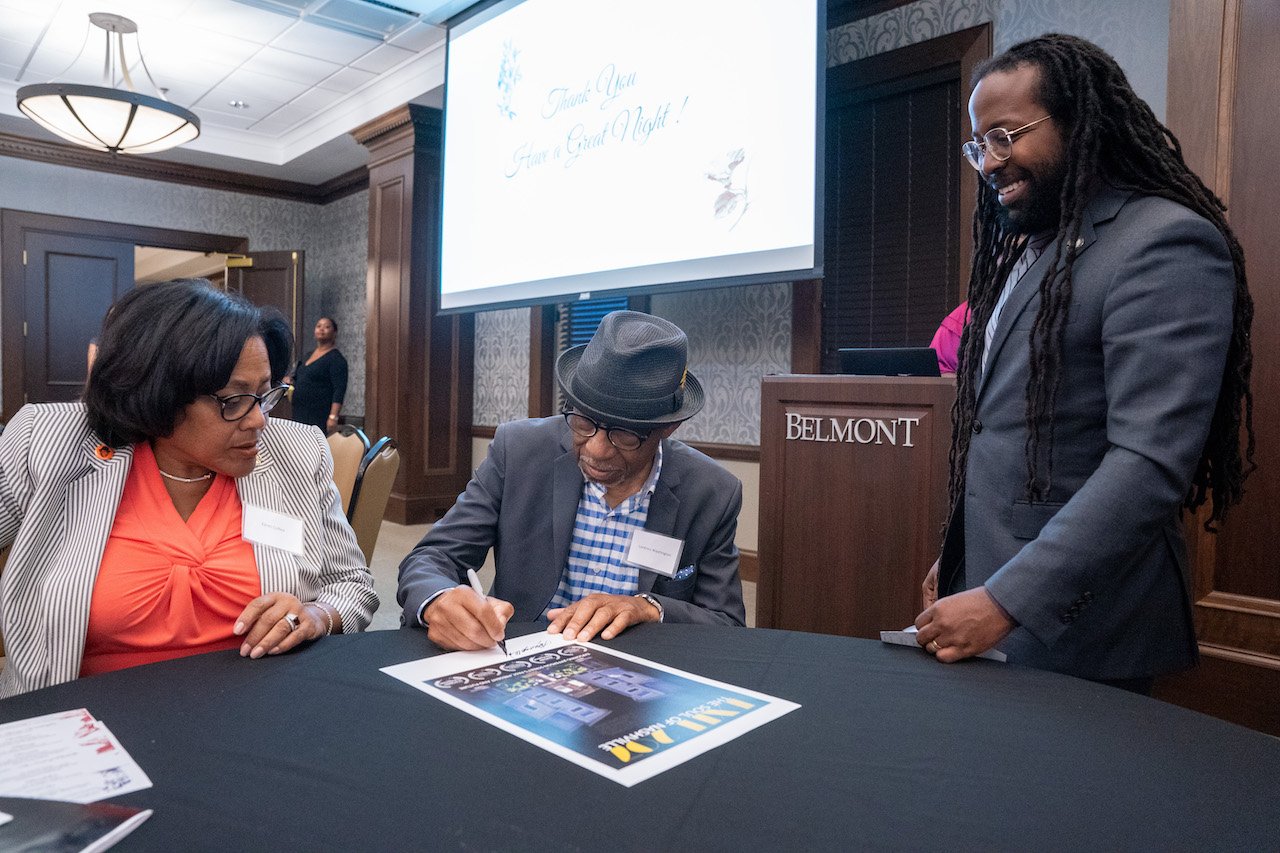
(1113, 136)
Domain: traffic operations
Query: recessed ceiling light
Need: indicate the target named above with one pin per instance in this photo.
(240, 105)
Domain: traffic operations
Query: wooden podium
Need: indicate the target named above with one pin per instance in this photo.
(853, 496)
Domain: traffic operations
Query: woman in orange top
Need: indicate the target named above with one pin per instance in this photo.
(165, 516)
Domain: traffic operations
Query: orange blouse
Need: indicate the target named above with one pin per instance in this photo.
(168, 588)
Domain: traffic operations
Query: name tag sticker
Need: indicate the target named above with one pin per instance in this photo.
(276, 530)
(655, 552)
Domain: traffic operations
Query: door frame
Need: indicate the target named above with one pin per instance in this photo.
(14, 227)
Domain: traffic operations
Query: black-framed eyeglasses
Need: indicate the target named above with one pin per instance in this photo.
(620, 437)
(236, 406)
(997, 142)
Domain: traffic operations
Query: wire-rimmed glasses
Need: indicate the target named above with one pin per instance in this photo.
(236, 406)
(997, 142)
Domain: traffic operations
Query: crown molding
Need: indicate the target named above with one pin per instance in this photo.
(73, 156)
(382, 125)
(373, 131)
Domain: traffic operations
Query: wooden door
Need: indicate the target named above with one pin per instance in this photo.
(70, 283)
(274, 279)
(17, 229)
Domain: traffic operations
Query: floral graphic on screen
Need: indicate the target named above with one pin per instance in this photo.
(508, 76)
(731, 204)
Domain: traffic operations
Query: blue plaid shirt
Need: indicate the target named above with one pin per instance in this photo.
(601, 537)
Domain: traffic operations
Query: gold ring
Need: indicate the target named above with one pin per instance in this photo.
(936, 648)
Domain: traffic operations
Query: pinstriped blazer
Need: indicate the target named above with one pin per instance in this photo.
(57, 505)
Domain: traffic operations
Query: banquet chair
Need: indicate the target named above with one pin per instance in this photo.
(348, 446)
(369, 498)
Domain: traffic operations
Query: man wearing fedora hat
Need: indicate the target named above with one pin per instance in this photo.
(598, 519)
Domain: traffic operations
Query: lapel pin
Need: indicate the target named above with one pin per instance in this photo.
(103, 452)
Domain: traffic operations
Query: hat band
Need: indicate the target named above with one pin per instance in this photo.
(633, 408)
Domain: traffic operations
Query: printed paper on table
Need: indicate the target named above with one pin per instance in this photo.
(623, 717)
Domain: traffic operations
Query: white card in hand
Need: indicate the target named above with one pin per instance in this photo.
(907, 637)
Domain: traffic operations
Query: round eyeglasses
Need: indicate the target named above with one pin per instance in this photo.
(236, 406)
(620, 437)
(997, 142)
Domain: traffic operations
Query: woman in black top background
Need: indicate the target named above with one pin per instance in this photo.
(320, 381)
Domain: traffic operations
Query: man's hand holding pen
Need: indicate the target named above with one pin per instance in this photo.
(463, 620)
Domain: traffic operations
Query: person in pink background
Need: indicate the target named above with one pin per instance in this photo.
(946, 341)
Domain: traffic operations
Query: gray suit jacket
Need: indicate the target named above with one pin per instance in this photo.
(1096, 575)
(522, 502)
(57, 505)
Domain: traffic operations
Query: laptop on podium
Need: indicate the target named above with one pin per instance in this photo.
(888, 361)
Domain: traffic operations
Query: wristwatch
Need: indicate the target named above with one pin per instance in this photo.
(649, 598)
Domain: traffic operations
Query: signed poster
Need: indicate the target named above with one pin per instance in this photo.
(623, 717)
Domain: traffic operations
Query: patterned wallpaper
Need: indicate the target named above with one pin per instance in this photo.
(1135, 32)
(737, 335)
(336, 284)
(502, 366)
(334, 237)
(905, 25)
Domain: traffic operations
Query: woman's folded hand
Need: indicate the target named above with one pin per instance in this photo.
(276, 622)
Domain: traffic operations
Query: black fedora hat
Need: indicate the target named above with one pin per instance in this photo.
(633, 373)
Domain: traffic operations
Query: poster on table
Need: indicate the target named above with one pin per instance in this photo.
(623, 717)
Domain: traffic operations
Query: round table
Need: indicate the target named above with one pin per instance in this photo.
(891, 750)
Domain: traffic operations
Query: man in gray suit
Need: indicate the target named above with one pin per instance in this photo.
(1102, 379)
(598, 518)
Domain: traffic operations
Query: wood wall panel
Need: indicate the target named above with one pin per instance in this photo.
(1247, 563)
(419, 364)
(1248, 684)
(542, 361)
(1224, 78)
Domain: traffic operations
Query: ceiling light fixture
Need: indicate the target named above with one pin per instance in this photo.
(106, 118)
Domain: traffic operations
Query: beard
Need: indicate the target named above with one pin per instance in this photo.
(1042, 211)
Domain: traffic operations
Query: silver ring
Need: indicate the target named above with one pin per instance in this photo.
(292, 619)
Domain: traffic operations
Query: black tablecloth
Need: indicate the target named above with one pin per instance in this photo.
(318, 750)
